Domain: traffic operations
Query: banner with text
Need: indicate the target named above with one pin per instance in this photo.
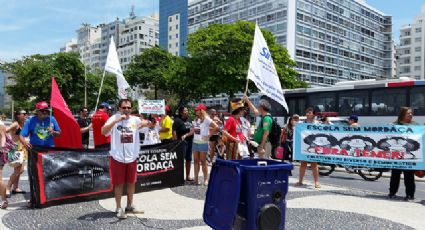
(58, 174)
(392, 147)
(151, 106)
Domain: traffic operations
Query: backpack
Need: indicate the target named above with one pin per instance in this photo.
(274, 135)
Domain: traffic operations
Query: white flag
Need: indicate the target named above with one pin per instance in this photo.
(113, 66)
(262, 70)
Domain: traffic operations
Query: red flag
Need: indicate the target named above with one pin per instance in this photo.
(70, 136)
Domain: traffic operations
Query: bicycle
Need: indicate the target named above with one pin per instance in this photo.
(368, 174)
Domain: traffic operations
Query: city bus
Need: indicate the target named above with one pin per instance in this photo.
(373, 101)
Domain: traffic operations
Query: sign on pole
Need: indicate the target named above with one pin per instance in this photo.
(151, 106)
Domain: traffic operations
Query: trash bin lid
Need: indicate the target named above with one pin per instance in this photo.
(222, 197)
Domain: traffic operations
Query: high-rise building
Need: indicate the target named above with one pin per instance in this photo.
(6, 79)
(111, 29)
(411, 50)
(70, 46)
(331, 40)
(88, 43)
(173, 26)
(138, 34)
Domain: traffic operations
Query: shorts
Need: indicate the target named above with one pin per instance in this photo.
(196, 147)
(123, 173)
(188, 151)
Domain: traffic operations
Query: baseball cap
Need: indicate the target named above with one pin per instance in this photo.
(42, 105)
(201, 107)
(104, 105)
(353, 117)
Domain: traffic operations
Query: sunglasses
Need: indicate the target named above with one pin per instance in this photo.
(125, 107)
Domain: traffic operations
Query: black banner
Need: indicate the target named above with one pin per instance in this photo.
(72, 175)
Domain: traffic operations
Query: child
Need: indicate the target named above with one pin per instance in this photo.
(150, 132)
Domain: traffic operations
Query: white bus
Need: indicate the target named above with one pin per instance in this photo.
(374, 102)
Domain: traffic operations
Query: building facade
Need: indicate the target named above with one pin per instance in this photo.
(70, 46)
(411, 50)
(88, 45)
(331, 40)
(173, 27)
(6, 79)
(138, 34)
(109, 30)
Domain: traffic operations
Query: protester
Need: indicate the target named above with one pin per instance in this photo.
(214, 137)
(150, 133)
(287, 137)
(247, 133)
(405, 117)
(85, 126)
(263, 130)
(325, 120)
(353, 121)
(182, 127)
(203, 127)
(125, 145)
(14, 130)
(109, 110)
(3, 197)
(233, 130)
(41, 130)
(309, 113)
(166, 131)
(98, 121)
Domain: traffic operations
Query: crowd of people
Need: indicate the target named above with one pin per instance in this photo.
(207, 137)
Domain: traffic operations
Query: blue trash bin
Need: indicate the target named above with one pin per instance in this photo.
(247, 194)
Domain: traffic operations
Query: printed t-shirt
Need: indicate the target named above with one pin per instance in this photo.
(125, 140)
(201, 130)
(36, 129)
(151, 135)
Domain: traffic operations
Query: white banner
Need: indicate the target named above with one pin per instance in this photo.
(113, 66)
(262, 70)
(151, 106)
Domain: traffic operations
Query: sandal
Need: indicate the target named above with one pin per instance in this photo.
(18, 191)
(317, 185)
(298, 184)
(4, 204)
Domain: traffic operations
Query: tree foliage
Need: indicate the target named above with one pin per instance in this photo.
(33, 74)
(220, 57)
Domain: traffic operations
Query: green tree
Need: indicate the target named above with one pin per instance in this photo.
(220, 53)
(33, 76)
(151, 69)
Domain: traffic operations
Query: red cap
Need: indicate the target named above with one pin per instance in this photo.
(42, 105)
(201, 107)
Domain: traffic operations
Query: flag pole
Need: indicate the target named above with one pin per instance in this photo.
(100, 90)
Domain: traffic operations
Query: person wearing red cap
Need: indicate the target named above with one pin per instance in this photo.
(41, 128)
(202, 128)
(166, 131)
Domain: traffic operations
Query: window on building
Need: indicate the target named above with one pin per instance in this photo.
(387, 102)
(177, 27)
(418, 39)
(177, 44)
(171, 28)
(418, 49)
(177, 35)
(417, 58)
(169, 37)
(417, 68)
(170, 19)
(418, 30)
(169, 46)
(353, 103)
(177, 17)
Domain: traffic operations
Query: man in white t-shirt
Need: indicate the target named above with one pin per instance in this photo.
(125, 146)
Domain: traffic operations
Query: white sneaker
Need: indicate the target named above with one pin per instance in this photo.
(121, 214)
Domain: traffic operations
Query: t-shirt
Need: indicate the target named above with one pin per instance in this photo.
(246, 127)
(166, 123)
(125, 140)
(151, 136)
(202, 129)
(265, 125)
(84, 122)
(98, 120)
(234, 128)
(36, 129)
(182, 126)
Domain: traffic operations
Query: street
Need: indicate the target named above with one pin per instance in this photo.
(345, 201)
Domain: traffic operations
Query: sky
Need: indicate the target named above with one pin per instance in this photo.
(43, 26)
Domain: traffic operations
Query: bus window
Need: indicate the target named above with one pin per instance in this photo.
(324, 102)
(417, 100)
(296, 105)
(353, 103)
(387, 102)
